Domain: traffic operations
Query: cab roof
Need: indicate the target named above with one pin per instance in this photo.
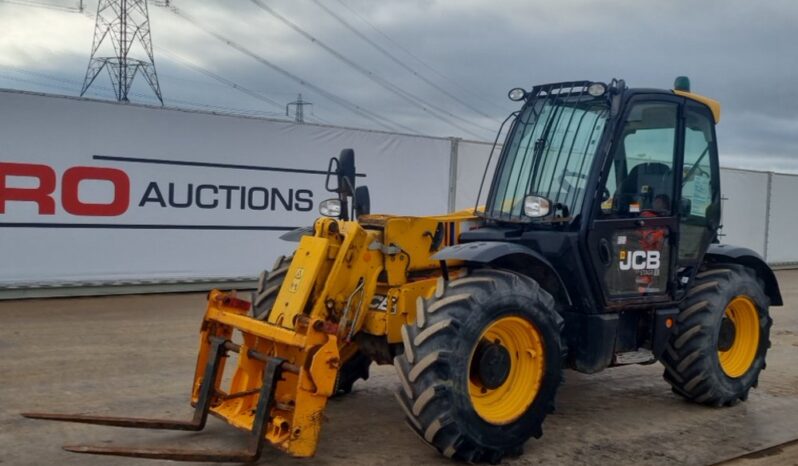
(714, 105)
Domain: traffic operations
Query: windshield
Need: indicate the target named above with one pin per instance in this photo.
(549, 152)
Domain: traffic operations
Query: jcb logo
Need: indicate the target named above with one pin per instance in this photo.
(639, 260)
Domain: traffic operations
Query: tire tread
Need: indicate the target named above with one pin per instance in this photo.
(690, 357)
(425, 366)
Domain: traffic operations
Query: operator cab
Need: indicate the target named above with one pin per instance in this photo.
(616, 187)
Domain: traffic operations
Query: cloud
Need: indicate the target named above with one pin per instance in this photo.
(739, 52)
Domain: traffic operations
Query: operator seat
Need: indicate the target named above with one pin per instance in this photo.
(645, 182)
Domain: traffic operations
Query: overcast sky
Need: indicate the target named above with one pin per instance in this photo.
(743, 53)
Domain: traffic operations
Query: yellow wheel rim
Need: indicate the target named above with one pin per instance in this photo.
(737, 359)
(510, 400)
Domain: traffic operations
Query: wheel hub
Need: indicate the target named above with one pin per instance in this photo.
(728, 331)
(492, 364)
(738, 336)
(506, 369)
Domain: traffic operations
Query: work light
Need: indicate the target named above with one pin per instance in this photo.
(597, 89)
(516, 94)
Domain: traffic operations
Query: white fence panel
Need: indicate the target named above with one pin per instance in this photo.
(782, 246)
(744, 208)
(472, 158)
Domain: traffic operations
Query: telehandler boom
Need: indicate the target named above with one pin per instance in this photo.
(596, 247)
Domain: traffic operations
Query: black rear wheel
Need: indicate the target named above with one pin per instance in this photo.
(481, 365)
(355, 368)
(269, 284)
(721, 337)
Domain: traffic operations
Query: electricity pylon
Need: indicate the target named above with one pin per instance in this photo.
(299, 109)
(126, 23)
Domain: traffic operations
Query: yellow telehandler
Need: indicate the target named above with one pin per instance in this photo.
(596, 247)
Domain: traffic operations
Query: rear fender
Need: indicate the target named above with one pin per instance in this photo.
(748, 258)
(510, 256)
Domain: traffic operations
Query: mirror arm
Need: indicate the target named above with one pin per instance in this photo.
(330, 171)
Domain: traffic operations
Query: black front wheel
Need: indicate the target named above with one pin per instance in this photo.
(481, 365)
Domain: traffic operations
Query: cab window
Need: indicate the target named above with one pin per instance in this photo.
(699, 205)
(640, 180)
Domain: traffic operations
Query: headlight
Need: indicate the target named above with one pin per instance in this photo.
(536, 206)
(597, 89)
(516, 94)
(330, 208)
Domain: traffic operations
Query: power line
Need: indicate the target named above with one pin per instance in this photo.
(416, 58)
(227, 82)
(354, 108)
(408, 97)
(50, 6)
(398, 61)
(181, 60)
(44, 76)
(108, 91)
(321, 120)
(221, 79)
(38, 83)
(375, 118)
(75, 88)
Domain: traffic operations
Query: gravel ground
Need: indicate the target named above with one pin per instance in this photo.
(135, 355)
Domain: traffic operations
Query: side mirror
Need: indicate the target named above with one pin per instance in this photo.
(346, 172)
(362, 201)
(536, 206)
(343, 167)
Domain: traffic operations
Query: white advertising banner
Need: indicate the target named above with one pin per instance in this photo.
(99, 191)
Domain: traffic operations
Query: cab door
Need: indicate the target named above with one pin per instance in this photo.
(699, 203)
(635, 221)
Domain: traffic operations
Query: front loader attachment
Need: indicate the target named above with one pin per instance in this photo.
(278, 391)
(287, 364)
